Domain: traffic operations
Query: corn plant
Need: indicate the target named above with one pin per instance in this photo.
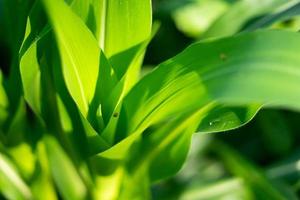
(79, 122)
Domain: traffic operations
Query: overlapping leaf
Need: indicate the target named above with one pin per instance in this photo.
(120, 28)
(79, 53)
(222, 71)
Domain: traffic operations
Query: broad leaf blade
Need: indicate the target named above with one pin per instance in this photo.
(201, 66)
(79, 53)
(121, 27)
(31, 75)
(167, 145)
(123, 24)
(112, 104)
(222, 71)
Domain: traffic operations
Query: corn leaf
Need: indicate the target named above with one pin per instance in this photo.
(217, 71)
(31, 75)
(123, 30)
(121, 24)
(120, 27)
(168, 145)
(79, 53)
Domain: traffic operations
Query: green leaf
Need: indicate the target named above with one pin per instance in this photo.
(112, 104)
(15, 15)
(79, 53)
(221, 71)
(121, 25)
(254, 178)
(3, 101)
(31, 75)
(65, 175)
(11, 184)
(81, 8)
(122, 28)
(3, 97)
(42, 183)
(286, 11)
(167, 145)
(224, 118)
(32, 69)
(84, 129)
(236, 17)
(223, 58)
(18, 127)
(227, 188)
(28, 56)
(196, 17)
